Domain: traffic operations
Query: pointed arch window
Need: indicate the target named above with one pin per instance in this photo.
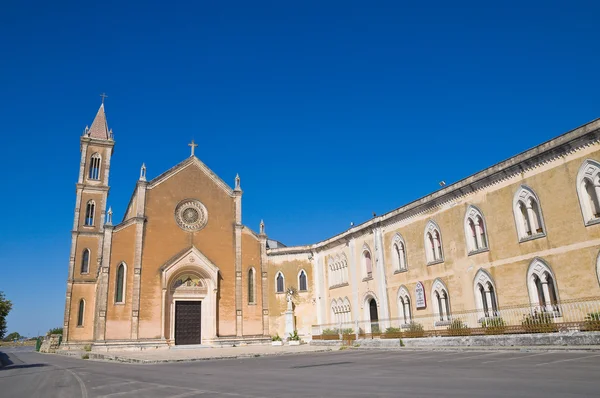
(433, 243)
(588, 190)
(302, 282)
(367, 262)
(120, 284)
(94, 171)
(399, 253)
(90, 210)
(81, 312)
(528, 216)
(85, 261)
(280, 282)
(541, 283)
(404, 310)
(475, 230)
(485, 295)
(441, 308)
(251, 283)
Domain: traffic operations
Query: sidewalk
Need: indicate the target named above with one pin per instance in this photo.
(196, 354)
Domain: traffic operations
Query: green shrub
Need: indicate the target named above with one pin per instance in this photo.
(458, 328)
(414, 330)
(392, 332)
(347, 331)
(87, 348)
(592, 321)
(85, 356)
(294, 336)
(55, 331)
(539, 322)
(329, 332)
(276, 338)
(494, 325)
(375, 328)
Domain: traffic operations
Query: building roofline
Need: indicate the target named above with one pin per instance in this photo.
(542, 153)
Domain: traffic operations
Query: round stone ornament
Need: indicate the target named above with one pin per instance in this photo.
(191, 215)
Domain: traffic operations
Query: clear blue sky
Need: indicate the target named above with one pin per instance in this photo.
(329, 111)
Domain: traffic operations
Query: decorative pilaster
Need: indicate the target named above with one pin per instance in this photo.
(354, 279)
(237, 192)
(317, 263)
(137, 258)
(102, 290)
(379, 252)
(264, 278)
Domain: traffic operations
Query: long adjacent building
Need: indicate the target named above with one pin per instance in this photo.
(181, 268)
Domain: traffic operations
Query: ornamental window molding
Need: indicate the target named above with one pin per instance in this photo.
(433, 243)
(475, 230)
(588, 191)
(399, 257)
(528, 214)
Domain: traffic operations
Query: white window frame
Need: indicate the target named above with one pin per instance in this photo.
(276, 276)
(89, 203)
(399, 257)
(431, 229)
(525, 215)
(95, 160)
(437, 290)
(363, 259)
(298, 279)
(540, 269)
(124, 283)
(589, 172)
(475, 244)
(403, 295)
(485, 280)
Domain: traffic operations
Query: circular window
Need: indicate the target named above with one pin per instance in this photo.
(191, 215)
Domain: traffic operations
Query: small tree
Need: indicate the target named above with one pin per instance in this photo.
(55, 331)
(5, 307)
(13, 336)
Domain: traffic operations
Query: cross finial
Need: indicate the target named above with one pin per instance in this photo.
(103, 95)
(193, 145)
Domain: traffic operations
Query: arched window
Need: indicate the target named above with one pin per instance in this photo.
(85, 261)
(399, 253)
(433, 243)
(441, 307)
(404, 311)
(81, 312)
(120, 284)
(541, 283)
(251, 282)
(368, 266)
(89, 213)
(94, 172)
(280, 282)
(588, 190)
(302, 283)
(346, 315)
(334, 312)
(528, 216)
(485, 295)
(475, 230)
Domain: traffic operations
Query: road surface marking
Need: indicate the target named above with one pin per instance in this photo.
(520, 357)
(114, 394)
(472, 356)
(114, 385)
(567, 360)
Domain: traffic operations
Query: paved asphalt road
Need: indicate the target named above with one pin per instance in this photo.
(348, 373)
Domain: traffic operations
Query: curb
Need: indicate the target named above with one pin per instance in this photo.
(483, 349)
(123, 359)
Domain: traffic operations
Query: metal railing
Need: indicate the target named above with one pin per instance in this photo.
(569, 315)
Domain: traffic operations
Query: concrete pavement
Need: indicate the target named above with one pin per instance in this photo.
(347, 373)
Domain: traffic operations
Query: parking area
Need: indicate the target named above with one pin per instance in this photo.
(348, 373)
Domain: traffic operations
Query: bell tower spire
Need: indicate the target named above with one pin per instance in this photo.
(87, 235)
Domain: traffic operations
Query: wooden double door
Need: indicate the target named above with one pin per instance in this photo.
(188, 324)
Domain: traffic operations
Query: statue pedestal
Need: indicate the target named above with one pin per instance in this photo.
(289, 323)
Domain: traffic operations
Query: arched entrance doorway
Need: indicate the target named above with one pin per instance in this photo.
(189, 310)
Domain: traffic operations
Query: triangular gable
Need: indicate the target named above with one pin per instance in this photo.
(191, 257)
(192, 161)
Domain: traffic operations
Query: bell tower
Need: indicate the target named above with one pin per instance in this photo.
(96, 146)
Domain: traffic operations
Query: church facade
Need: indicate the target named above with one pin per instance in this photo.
(181, 268)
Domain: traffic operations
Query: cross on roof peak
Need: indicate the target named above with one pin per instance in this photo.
(192, 145)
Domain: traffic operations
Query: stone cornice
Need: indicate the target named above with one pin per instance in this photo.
(547, 152)
(87, 187)
(88, 233)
